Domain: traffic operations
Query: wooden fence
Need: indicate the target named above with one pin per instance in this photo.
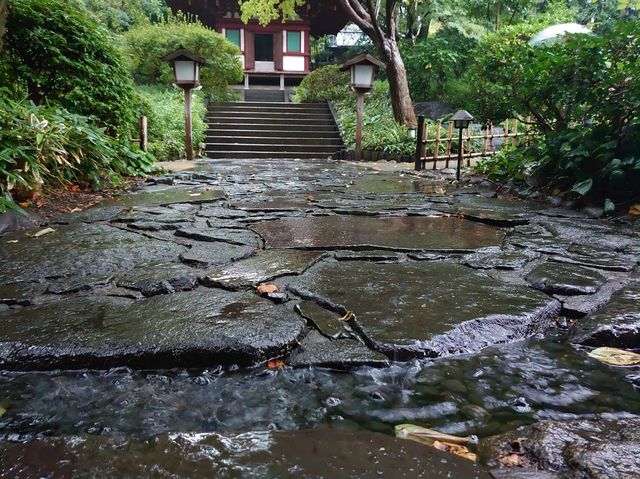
(443, 146)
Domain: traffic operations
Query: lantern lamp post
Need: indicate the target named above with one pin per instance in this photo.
(461, 120)
(363, 72)
(186, 75)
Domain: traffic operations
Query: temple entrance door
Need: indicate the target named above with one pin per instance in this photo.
(263, 44)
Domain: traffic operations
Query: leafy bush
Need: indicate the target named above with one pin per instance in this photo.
(43, 145)
(435, 63)
(55, 51)
(583, 94)
(327, 83)
(147, 44)
(165, 111)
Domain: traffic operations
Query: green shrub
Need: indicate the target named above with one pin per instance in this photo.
(120, 15)
(583, 94)
(44, 145)
(147, 44)
(327, 83)
(54, 51)
(165, 111)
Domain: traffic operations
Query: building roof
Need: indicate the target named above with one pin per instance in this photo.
(325, 17)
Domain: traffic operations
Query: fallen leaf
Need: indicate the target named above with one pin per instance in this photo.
(275, 364)
(43, 232)
(74, 188)
(24, 204)
(512, 460)
(195, 194)
(310, 198)
(456, 449)
(75, 210)
(615, 356)
(635, 210)
(428, 436)
(265, 288)
(346, 317)
(12, 241)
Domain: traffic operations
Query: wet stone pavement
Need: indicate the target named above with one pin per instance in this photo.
(134, 331)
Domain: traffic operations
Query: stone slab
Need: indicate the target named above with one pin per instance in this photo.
(567, 279)
(201, 328)
(397, 233)
(426, 309)
(260, 455)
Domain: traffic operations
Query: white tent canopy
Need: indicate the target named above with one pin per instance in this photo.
(553, 33)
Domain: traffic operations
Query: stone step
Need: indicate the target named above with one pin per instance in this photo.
(281, 122)
(222, 155)
(314, 132)
(270, 107)
(271, 148)
(267, 115)
(264, 95)
(253, 140)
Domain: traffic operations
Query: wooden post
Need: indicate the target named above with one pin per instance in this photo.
(505, 145)
(469, 145)
(460, 153)
(485, 139)
(143, 133)
(187, 124)
(359, 109)
(449, 141)
(515, 133)
(436, 149)
(419, 143)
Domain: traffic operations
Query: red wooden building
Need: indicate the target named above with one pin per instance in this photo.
(278, 50)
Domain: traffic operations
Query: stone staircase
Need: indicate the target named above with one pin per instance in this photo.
(271, 130)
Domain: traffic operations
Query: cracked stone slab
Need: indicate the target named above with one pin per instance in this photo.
(314, 453)
(397, 184)
(426, 309)
(21, 294)
(238, 237)
(616, 325)
(157, 277)
(398, 233)
(207, 255)
(262, 267)
(497, 258)
(80, 250)
(598, 258)
(567, 279)
(575, 449)
(75, 284)
(166, 195)
(324, 320)
(377, 256)
(580, 305)
(317, 350)
(200, 328)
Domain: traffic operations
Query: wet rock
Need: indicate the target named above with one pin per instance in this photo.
(324, 320)
(556, 278)
(598, 258)
(261, 455)
(12, 221)
(580, 305)
(201, 328)
(377, 256)
(262, 267)
(95, 214)
(80, 250)
(492, 217)
(232, 236)
(75, 284)
(165, 195)
(496, 258)
(426, 256)
(426, 309)
(394, 184)
(317, 350)
(575, 449)
(616, 325)
(159, 278)
(398, 233)
(212, 211)
(156, 226)
(207, 255)
(21, 294)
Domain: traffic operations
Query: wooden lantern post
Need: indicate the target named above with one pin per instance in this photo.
(186, 73)
(363, 72)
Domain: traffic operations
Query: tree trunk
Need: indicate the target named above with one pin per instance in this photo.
(403, 111)
(3, 19)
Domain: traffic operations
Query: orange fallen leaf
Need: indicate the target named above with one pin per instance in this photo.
(24, 204)
(346, 317)
(275, 364)
(265, 288)
(456, 449)
(511, 460)
(635, 210)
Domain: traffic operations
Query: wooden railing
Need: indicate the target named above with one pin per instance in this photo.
(443, 146)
